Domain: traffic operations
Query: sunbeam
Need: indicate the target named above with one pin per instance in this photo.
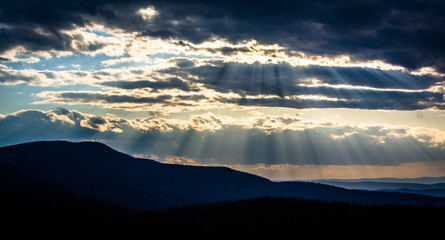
(216, 85)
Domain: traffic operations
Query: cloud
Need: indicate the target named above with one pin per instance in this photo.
(270, 124)
(31, 125)
(170, 83)
(266, 78)
(37, 27)
(408, 34)
(133, 100)
(79, 97)
(7, 77)
(97, 123)
(392, 100)
(208, 121)
(10, 76)
(60, 123)
(212, 139)
(172, 89)
(281, 85)
(179, 160)
(206, 84)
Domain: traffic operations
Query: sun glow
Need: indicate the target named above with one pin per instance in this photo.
(147, 13)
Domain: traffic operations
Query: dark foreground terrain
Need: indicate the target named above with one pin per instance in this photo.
(273, 217)
(302, 219)
(66, 189)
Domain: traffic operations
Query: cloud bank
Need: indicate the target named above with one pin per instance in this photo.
(213, 139)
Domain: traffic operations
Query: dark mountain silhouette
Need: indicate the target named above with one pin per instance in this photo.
(93, 173)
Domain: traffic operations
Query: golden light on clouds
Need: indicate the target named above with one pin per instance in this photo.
(286, 172)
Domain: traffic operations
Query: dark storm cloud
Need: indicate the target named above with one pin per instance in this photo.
(88, 97)
(162, 33)
(113, 100)
(184, 62)
(352, 87)
(170, 83)
(96, 122)
(38, 25)
(409, 33)
(265, 78)
(356, 99)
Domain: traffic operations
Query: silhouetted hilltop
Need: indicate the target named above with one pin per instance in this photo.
(93, 170)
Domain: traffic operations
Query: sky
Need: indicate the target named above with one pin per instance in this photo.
(289, 90)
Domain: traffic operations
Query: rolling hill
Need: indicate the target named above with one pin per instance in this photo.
(94, 171)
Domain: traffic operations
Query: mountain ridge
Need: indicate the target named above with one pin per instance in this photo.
(94, 170)
(431, 189)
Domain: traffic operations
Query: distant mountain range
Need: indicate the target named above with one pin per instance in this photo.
(420, 180)
(425, 186)
(93, 173)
